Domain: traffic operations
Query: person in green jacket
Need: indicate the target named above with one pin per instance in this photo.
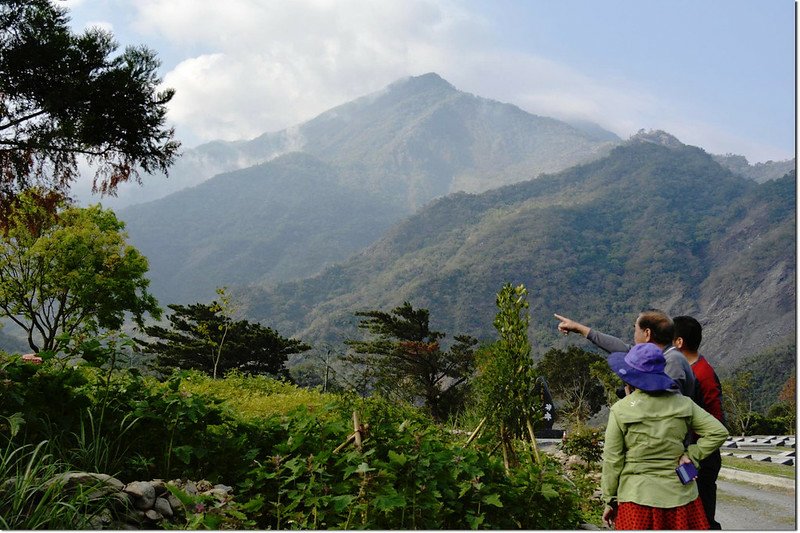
(644, 444)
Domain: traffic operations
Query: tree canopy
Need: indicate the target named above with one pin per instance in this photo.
(65, 96)
(404, 358)
(204, 337)
(70, 271)
(572, 377)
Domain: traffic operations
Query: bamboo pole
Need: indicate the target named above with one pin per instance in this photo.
(504, 446)
(357, 430)
(533, 439)
(476, 431)
(350, 439)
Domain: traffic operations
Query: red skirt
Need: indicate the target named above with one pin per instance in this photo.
(634, 516)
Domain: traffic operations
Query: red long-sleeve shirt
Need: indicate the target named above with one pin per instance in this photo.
(710, 390)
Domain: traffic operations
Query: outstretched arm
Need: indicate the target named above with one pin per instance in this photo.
(608, 343)
(567, 325)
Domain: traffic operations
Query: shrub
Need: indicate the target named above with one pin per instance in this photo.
(585, 442)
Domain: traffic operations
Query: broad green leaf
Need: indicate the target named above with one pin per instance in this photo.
(492, 499)
(398, 458)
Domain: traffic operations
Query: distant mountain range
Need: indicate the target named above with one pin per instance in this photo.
(424, 193)
(653, 224)
(363, 166)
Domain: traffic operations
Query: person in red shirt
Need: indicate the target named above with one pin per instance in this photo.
(708, 395)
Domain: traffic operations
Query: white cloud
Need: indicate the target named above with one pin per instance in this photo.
(265, 66)
(244, 67)
(270, 65)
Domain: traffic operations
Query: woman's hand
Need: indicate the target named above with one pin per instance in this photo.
(609, 515)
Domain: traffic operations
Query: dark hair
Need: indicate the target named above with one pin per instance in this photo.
(690, 330)
(660, 325)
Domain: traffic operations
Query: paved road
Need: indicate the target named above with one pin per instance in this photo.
(750, 507)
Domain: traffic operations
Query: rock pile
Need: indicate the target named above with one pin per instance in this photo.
(140, 504)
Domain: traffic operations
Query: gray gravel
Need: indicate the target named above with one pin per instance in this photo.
(750, 507)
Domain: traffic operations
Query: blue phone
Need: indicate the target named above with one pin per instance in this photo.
(686, 472)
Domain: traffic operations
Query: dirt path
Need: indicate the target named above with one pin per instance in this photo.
(745, 506)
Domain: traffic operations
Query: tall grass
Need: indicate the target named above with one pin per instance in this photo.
(33, 494)
(95, 451)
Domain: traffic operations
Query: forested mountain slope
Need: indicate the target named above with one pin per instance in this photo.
(647, 226)
(283, 219)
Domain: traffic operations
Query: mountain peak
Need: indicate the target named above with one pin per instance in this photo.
(424, 82)
(659, 137)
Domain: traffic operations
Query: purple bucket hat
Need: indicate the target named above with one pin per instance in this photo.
(642, 367)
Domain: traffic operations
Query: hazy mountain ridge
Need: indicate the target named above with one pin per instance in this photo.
(760, 172)
(416, 140)
(421, 138)
(646, 226)
(285, 218)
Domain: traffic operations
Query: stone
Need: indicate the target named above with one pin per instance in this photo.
(72, 479)
(174, 502)
(730, 445)
(144, 494)
(790, 453)
(160, 486)
(783, 461)
(163, 507)
(101, 520)
(102, 484)
(226, 488)
(219, 494)
(760, 457)
(153, 515)
(742, 455)
(122, 500)
(190, 488)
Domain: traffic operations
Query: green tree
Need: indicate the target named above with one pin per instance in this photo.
(571, 377)
(65, 96)
(404, 359)
(737, 402)
(506, 389)
(69, 271)
(204, 337)
(787, 401)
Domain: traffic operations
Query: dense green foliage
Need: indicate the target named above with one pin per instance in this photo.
(65, 96)
(204, 337)
(403, 359)
(571, 376)
(288, 464)
(769, 370)
(69, 272)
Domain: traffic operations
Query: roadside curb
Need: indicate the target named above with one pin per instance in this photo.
(759, 479)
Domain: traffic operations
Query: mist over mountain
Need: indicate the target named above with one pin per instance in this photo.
(647, 226)
(284, 219)
(366, 164)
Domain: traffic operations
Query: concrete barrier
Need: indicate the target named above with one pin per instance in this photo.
(759, 479)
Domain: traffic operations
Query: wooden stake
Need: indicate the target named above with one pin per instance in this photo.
(533, 439)
(350, 439)
(477, 430)
(504, 446)
(357, 430)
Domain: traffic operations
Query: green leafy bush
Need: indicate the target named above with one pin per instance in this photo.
(585, 442)
(287, 451)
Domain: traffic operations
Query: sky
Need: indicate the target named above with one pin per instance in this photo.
(718, 74)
